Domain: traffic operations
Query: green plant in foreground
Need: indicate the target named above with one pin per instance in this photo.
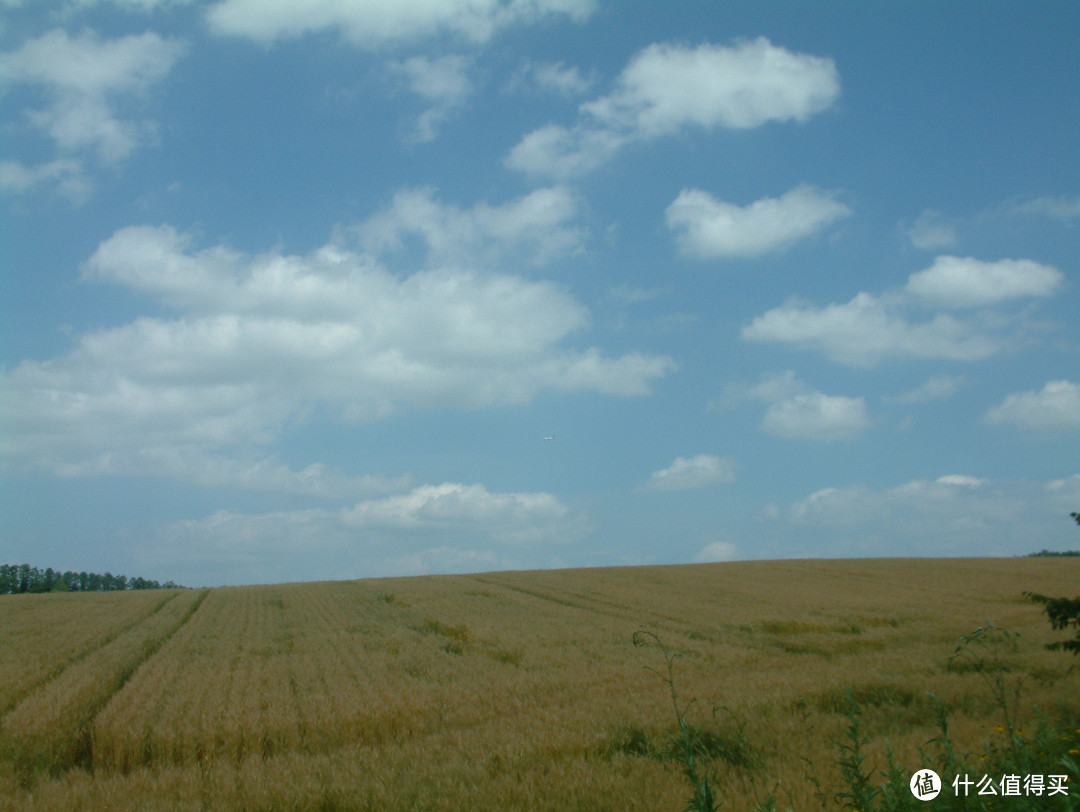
(861, 792)
(1050, 750)
(704, 798)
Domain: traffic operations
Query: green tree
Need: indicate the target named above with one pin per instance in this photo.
(1064, 613)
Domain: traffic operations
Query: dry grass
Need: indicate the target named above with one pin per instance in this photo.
(524, 690)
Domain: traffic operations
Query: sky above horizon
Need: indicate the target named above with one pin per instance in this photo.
(316, 290)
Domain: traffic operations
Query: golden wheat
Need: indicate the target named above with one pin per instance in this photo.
(525, 691)
(40, 635)
(48, 730)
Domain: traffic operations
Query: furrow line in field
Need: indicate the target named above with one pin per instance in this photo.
(76, 655)
(50, 730)
(607, 608)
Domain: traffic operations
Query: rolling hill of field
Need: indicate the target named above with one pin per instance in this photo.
(510, 690)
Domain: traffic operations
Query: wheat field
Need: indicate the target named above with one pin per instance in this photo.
(511, 690)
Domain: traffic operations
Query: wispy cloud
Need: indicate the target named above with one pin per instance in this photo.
(931, 232)
(936, 387)
(82, 74)
(373, 23)
(443, 81)
(1066, 209)
(538, 226)
(550, 77)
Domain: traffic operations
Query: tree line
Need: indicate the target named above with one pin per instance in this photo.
(19, 578)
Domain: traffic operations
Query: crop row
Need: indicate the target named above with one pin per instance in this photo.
(49, 730)
(41, 635)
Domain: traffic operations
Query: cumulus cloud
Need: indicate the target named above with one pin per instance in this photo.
(83, 75)
(953, 515)
(869, 329)
(816, 416)
(797, 412)
(667, 87)
(957, 282)
(872, 328)
(449, 508)
(375, 23)
(1056, 407)
(859, 503)
(259, 339)
(688, 473)
(708, 228)
(447, 527)
(537, 227)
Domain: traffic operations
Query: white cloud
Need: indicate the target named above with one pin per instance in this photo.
(1056, 407)
(443, 81)
(263, 474)
(131, 5)
(930, 233)
(82, 75)
(709, 228)
(688, 473)
(953, 515)
(260, 339)
(1059, 208)
(816, 416)
(65, 173)
(666, 88)
(551, 77)
(936, 387)
(957, 282)
(446, 527)
(717, 551)
(449, 508)
(374, 23)
(770, 387)
(868, 329)
(797, 412)
(555, 151)
(537, 225)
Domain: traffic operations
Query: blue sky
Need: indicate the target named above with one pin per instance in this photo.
(297, 290)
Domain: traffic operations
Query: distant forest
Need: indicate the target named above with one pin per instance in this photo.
(19, 578)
